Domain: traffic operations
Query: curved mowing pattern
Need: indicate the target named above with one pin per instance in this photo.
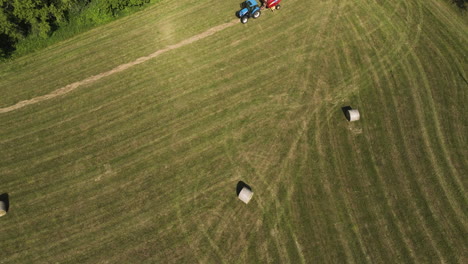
(142, 165)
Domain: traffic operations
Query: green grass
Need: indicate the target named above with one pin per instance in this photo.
(88, 18)
(142, 165)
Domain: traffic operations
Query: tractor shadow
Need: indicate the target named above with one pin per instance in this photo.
(5, 198)
(240, 186)
(345, 110)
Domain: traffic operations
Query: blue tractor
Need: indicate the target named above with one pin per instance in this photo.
(249, 8)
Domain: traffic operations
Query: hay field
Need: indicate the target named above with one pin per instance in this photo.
(141, 166)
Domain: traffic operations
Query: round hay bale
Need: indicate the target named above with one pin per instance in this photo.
(352, 115)
(2, 208)
(245, 195)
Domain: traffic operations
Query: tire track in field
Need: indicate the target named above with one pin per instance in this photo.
(389, 242)
(184, 214)
(347, 199)
(426, 84)
(69, 88)
(273, 186)
(403, 41)
(456, 207)
(183, 226)
(419, 215)
(422, 191)
(401, 49)
(222, 224)
(405, 45)
(440, 135)
(340, 59)
(383, 62)
(261, 171)
(151, 141)
(426, 227)
(448, 60)
(342, 11)
(126, 94)
(326, 182)
(98, 224)
(209, 114)
(343, 61)
(303, 128)
(371, 14)
(397, 163)
(421, 109)
(403, 236)
(393, 52)
(350, 209)
(214, 245)
(217, 221)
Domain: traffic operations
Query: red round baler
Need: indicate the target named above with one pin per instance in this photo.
(271, 4)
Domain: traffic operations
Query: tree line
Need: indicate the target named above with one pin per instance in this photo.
(40, 18)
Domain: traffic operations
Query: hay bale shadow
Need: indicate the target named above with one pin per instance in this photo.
(240, 186)
(5, 198)
(345, 110)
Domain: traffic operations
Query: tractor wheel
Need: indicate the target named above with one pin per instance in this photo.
(244, 19)
(237, 14)
(278, 7)
(256, 14)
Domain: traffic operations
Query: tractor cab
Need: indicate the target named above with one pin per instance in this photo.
(249, 8)
(249, 4)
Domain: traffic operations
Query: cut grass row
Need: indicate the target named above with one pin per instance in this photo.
(142, 165)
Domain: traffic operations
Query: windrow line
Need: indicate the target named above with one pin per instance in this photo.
(120, 68)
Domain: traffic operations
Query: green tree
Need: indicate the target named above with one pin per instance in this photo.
(21, 18)
(113, 6)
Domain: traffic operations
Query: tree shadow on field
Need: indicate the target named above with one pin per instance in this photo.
(5, 198)
(240, 186)
(7, 46)
(345, 110)
(460, 3)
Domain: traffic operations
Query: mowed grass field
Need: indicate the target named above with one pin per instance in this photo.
(141, 166)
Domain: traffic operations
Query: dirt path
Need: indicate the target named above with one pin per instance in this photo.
(94, 78)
